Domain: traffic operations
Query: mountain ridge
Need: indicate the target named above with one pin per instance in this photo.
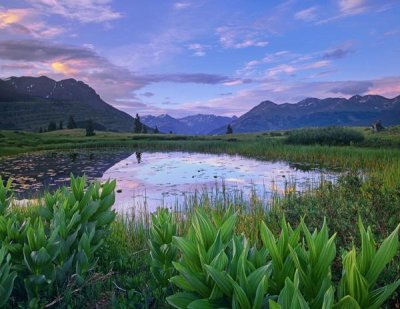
(199, 124)
(356, 111)
(29, 103)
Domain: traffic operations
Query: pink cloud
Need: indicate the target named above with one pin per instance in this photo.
(27, 22)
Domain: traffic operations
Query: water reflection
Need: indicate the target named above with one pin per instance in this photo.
(35, 172)
(158, 178)
(167, 178)
(138, 157)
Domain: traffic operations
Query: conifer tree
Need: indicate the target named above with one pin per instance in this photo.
(71, 123)
(229, 129)
(90, 128)
(137, 125)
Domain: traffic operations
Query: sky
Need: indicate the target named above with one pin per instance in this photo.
(206, 56)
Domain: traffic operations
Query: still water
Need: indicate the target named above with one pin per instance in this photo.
(157, 179)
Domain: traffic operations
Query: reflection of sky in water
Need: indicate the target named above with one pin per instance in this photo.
(164, 177)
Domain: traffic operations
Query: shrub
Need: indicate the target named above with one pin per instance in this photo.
(335, 136)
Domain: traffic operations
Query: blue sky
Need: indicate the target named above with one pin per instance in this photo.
(223, 57)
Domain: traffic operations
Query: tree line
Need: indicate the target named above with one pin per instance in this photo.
(71, 124)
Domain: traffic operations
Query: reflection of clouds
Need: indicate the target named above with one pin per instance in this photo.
(164, 178)
(236, 180)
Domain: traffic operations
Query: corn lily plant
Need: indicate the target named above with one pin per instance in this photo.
(60, 244)
(218, 269)
(163, 252)
(7, 277)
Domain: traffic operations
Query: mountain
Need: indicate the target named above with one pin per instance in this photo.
(28, 103)
(193, 125)
(204, 124)
(165, 123)
(312, 112)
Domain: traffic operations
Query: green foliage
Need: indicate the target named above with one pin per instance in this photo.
(361, 272)
(5, 195)
(163, 252)
(58, 248)
(279, 251)
(218, 269)
(7, 277)
(339, 136)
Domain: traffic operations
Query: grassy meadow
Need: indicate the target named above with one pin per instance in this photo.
(72, 250)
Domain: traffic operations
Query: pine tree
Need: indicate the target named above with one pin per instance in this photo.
(60, 125)
(71, 123)
(156, 131)
(40, 130)
(52, 126)
(229, 129)
(137, 124)
(144, 129)
(90, 128)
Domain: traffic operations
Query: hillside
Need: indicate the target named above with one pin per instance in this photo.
(28, 103)
(313, 112)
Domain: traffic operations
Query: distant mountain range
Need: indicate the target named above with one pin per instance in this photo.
(28, 103)
(194, 125)
(312, 112)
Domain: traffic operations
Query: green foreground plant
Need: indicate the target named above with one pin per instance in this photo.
(219, 269)
(57, 249)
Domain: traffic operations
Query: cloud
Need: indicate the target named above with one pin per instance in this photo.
(111, 81)
(307, 14)
(36, 50)
(282, 68)
(63, 68)
(347, 8)
(351, 7)
(336, 53)
(199, 50)
(182, 5)
(237, 37)
(148, 94)
(85, 11)
(17, 66)
(339, 52)
(27, 22)
(352, 87)
(197, 78)
(290, 69)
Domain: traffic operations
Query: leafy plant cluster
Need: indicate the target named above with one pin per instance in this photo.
(216, 268)
(334, 136)
(54, 249)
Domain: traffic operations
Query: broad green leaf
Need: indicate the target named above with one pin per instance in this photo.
(181, 300)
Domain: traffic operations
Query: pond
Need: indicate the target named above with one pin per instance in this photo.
(153, 179)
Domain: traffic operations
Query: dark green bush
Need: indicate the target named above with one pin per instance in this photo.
(333, 136)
